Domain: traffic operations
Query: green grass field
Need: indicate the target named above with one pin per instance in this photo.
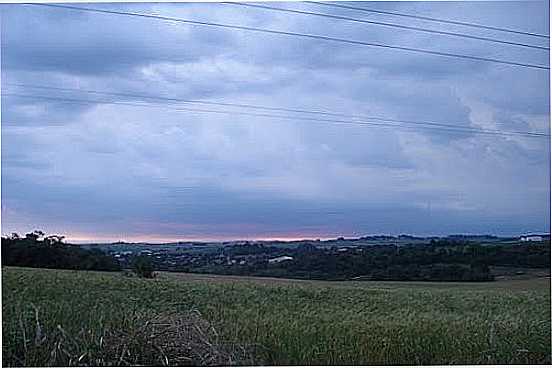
(55, 317)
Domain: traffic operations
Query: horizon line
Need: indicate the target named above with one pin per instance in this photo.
(286, 239)
(81, 238)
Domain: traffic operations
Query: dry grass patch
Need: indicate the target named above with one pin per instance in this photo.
(173, 340)
(167, 339)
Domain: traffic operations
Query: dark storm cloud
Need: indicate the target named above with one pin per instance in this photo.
(97, 43)
(120, 170)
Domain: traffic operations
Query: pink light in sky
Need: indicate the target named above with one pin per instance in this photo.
(169, 232)
(159, 238)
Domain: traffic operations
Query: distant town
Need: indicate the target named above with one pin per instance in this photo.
(370, 257)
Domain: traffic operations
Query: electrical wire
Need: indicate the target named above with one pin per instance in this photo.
(248, 106)
(315, 120)
(440, 20)
(302, 35)
(386, 24)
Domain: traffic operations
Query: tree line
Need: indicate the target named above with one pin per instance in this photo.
(36, 249)
(439, 260)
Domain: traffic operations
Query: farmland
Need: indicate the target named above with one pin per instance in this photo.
(55, 317)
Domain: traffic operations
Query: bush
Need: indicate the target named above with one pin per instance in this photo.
(142, 267)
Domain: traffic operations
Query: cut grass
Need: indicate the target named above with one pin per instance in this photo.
(248, 322)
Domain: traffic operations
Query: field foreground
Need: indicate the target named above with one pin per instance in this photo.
(53, 317)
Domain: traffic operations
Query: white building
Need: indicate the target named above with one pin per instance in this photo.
(280, 259)
(530, 238)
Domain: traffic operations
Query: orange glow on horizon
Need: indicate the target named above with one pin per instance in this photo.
(156, 238)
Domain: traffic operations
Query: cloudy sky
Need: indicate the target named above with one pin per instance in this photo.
(110, 167)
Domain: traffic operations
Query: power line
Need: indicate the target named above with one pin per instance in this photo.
(303, 35)
(440, 20)
(214, 103)
(386, 24)
(257, 107)
(314, 120)
(181, 100)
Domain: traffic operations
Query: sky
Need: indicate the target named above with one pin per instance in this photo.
(98, 167)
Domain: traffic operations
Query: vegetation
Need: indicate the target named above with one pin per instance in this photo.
(456, 258)
(38, 250)
(142, 266)
(56, 317)
(442, 260)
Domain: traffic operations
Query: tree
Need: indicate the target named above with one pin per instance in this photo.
(51, 252)
(53, 240)
(35, 235)
(142, 266)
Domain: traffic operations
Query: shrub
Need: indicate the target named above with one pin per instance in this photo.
(142, 267)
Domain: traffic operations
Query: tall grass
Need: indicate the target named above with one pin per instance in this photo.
(89, 318)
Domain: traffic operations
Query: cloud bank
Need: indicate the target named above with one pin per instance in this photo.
(98, 170)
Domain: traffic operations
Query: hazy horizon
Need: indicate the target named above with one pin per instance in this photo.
(159, 241)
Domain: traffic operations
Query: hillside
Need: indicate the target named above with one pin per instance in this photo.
(55, 317)
(378, 258)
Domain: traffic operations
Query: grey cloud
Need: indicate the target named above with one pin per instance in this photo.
(113, 169)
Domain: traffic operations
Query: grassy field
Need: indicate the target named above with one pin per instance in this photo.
(55, 317)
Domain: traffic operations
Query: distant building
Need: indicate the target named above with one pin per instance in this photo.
(531, 238)
(280, 259)
(122, 254)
